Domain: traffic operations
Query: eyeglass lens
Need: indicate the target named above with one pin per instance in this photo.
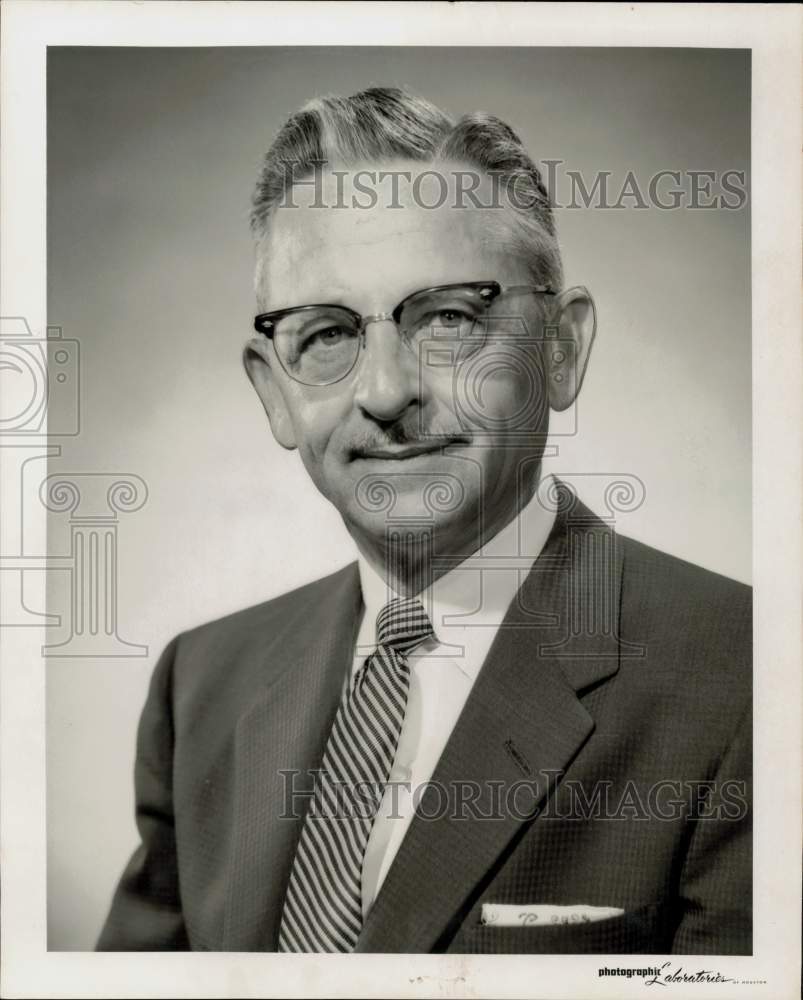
(321, 346)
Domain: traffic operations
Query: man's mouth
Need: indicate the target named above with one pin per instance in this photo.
(411, 449)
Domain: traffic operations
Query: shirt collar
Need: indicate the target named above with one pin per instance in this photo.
(481, 588)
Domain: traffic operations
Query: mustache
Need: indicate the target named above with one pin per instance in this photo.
(406, 433)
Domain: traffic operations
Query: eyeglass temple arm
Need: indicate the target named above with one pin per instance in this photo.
(539, 289)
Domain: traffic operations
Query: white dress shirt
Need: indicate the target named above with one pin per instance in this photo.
(466, 607)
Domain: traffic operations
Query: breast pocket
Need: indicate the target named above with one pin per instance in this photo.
(644, 930)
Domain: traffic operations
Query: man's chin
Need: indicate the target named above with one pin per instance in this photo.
(390, 493)
(409, 524)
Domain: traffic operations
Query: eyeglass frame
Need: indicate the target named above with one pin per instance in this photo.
(272, 318)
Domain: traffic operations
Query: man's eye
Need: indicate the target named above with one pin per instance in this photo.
(451, 317)
(331, 336)
(459, 321)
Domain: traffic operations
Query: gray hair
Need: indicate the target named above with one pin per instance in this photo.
(384, 123)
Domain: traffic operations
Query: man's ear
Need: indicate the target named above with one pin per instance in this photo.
(573, 322)
(257, 360)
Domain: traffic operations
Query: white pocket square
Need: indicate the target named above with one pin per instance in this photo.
(543, 915)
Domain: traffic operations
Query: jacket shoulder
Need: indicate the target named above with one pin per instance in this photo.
(281, 611)
(233, 654)
(693, 621)
(661, 572)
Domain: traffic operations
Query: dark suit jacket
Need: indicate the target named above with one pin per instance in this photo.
(616, 699)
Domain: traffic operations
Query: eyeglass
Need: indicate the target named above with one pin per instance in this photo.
(319, 345)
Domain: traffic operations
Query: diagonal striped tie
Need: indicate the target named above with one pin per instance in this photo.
(323, 906)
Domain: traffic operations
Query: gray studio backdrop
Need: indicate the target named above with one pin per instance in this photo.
(152, 154)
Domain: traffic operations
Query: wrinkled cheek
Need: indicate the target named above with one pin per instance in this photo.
(503, 390)
(316, 421)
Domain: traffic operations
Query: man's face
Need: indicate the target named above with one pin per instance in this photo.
(406, 436)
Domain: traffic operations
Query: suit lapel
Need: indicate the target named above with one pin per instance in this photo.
(522, 723)
(284, 730)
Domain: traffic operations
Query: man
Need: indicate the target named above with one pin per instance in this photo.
(506, 728)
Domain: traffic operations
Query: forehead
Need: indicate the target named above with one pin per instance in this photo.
(374, 231)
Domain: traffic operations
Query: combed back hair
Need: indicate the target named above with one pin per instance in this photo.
(386, 123)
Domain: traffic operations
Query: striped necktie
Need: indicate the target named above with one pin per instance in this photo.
(323, 906)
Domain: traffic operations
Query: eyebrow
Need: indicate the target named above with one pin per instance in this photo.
(342, 298)
(338, 297)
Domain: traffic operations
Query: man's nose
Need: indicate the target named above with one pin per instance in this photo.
(387, 378)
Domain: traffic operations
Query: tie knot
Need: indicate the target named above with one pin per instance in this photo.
(402, 624)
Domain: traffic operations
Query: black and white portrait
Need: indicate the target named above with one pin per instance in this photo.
(399, 589)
